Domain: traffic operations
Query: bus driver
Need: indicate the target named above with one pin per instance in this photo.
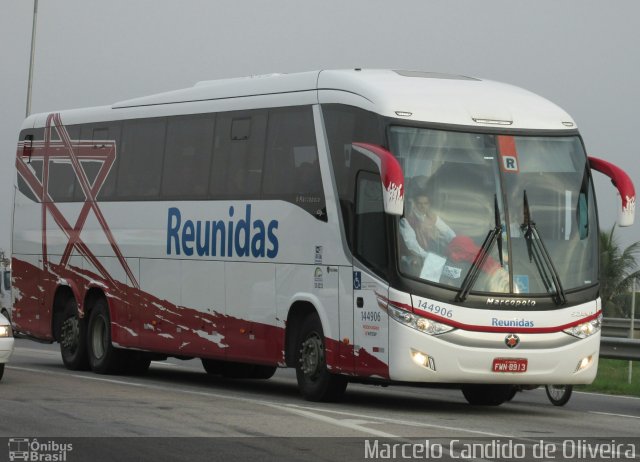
(422, 230)
(433, 251)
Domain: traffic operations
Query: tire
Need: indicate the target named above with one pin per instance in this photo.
(104, 358)
(263, 372)
(315, 382)
(512, 393)
(233, 370)
(73, 338)
(137, 362)
(212, 366)
(1, 370)
(559, 395)
(486, 395)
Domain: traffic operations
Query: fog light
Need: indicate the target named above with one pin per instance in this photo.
(423, 360)
(584, 363)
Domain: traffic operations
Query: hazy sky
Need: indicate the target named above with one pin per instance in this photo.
(583, 55)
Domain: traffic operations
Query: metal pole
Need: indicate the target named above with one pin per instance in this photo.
(633, 315)
(33, 48)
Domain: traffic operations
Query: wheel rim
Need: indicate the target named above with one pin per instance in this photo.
(99, 337)
(70, 334)
(556, 391)
(312, 356)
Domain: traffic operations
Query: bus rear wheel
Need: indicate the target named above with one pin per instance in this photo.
(136, 362)
(103, 356)
(487, 395)
(315, 381)
(73, 338)
(1, 370)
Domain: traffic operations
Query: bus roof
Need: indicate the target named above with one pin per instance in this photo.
(410, 95)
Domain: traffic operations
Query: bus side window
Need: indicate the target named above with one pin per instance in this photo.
(63, 180)
(187, 161)
(141, 154)
(102, 137)
(292, 171)
(371, 236)
(238, 154)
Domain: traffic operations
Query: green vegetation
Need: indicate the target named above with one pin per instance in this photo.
(613, 375)
(618, 269)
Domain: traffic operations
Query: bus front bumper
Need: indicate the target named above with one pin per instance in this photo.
(477, 357)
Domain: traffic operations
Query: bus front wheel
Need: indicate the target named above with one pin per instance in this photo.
(315, 381)
(559, 395)
(487, 395)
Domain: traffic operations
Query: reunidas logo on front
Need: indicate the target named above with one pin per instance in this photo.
(33, 450)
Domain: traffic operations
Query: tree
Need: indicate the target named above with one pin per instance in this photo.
(618, 269)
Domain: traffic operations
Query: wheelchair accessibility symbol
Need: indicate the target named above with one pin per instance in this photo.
(357, 280)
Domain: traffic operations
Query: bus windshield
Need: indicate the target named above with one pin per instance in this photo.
(524, 201)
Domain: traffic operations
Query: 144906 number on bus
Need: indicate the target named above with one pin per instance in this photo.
(435, 309)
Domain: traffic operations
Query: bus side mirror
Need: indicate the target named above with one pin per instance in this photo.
(390, 174)
(623, 183)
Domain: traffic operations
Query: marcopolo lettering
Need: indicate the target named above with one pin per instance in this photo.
(220, 238)
(510, 302)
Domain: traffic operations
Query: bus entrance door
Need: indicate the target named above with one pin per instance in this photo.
(371, 326)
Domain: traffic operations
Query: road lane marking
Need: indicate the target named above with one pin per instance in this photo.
(303, 411)
(341, 423)
(346, 423)
(407, 423)
(29, 351)
(605, 395)
(616, 415)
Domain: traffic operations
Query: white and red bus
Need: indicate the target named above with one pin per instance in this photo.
(367, 225)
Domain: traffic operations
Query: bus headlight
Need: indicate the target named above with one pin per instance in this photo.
(586, 329)
(5, 331)
(428, 326)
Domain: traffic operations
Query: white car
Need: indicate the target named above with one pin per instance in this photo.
(6, 342)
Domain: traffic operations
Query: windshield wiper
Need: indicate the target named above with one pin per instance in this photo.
(496, 211)
(493, 235)
(539, 255)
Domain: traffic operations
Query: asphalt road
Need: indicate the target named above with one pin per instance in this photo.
(176, 401)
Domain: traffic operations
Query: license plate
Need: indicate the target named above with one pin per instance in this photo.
(509, 365)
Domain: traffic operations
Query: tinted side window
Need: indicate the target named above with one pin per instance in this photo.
(141, 153)
(371, 236)
(32, 191)
(238, 154)
(62, 179)
(344, 125)
(100, 141)
(292, 171)
(187, 161)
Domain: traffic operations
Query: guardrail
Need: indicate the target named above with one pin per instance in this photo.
(619, 327)
(620, 348)
(615, 342)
